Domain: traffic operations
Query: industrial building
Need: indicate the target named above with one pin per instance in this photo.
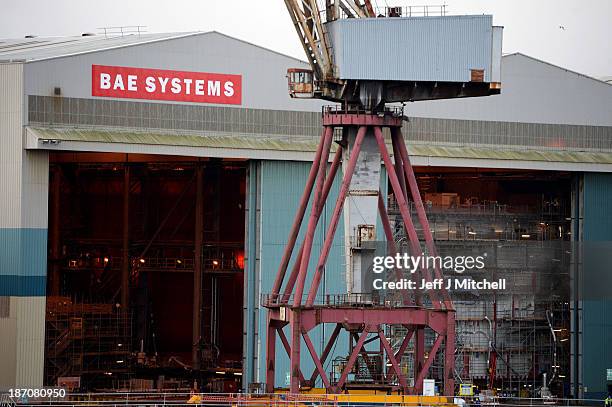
(113, 182)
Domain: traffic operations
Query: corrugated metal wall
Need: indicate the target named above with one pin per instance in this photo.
(412, 49)
(23, 241)
(277, 194)
(596, 311)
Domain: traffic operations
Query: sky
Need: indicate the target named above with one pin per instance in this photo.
(575, 34)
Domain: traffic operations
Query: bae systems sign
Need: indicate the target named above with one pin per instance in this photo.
(161, 84)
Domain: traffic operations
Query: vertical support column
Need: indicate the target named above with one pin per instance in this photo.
(449, 355)
(197, 268)
(317, 206)
(270, 355)
(54, 234)
(419, 357)
(576, 272)
(397, 158)
(125, 264)
(296, 338)
(250, 334)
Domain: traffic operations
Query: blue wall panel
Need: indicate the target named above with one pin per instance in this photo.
(597, 312)
(282, 184)
(23, 261)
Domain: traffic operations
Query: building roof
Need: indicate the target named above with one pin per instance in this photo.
(38, 48)
(43, 48)
(533, 91)
(520, 54)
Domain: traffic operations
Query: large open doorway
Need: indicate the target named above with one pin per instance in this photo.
(124, 231)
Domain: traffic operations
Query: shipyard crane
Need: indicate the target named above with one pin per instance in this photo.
(370, 62)
(350, 50)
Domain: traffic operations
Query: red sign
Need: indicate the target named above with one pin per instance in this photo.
(162, 84)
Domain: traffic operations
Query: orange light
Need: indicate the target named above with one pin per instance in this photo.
(142, 261)
(215, 263)
(240, 260)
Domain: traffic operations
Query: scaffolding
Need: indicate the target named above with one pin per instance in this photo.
(506, 342)
(89, 341)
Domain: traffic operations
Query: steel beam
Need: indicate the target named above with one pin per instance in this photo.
(328, 348)
(299, 216)
(419, 357)
(329, 181)
(392, 246)
(353, 357)
(54, 233)
(317, 207)
(415, 246)
(294, 357)
(391, 356)
(333, 223)
(449, 354)
(397, 138)
(197, 269)
(125, 252)
(418, 382)
(270, 356)
(316, 360)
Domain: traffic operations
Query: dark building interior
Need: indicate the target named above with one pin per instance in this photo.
(515, 341)
(117, 338)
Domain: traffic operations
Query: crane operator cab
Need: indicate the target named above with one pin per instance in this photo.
(300, 83)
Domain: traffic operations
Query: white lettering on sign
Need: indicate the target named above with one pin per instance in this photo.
(160, 84)
(105, 81)
(229, 89)
(118, 83)
(132, 83)
(163, 82)
(214, 88)
(150, 84)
